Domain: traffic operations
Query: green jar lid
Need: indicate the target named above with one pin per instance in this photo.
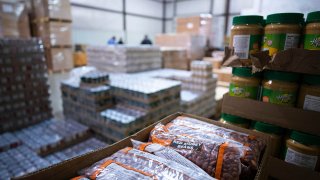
(247, 20)
(304, 138)
(311, 79)
(268, 128)
(234, 119)
(244, 72)
(286, 18)
(313, 17)
(281, 76)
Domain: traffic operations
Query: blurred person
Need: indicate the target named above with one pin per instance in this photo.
(146, 40)
(120, 41)
(112, 41)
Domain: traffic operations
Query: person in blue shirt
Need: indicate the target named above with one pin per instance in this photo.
(112, 41)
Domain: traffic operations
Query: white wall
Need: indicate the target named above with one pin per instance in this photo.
(91, 26)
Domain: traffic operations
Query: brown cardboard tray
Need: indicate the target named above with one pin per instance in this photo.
(69, 168)
(278, 169)
(283, 116)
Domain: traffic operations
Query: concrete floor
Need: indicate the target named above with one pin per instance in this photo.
(55, 92)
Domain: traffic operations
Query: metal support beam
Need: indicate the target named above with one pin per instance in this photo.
(124, 16)
(227, 14)
(164, 10)
(211, 7)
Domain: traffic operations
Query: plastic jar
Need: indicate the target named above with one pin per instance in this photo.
(235, 120)
(246, 35)
(243, 83)
(303, 150)
(312, 31)
(309, 95)
(282, 32)
(280, 87)
(274, 132)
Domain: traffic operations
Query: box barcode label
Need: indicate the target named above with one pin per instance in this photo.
(241, 44)
(292, 41)
(311, 103)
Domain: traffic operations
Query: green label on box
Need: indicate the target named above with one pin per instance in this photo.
(278, 97)
(279, 42)
(243, 91)
(312, 41)
(244, 45)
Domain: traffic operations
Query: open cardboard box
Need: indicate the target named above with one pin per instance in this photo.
(69, 168)
(283, 116)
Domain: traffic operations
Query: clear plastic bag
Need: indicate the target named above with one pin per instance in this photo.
(219, 158)
(205, 130)
(169, 154)
(146, 164)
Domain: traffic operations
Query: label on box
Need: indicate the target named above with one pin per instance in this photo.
(279, 42)
(7, 8)
(278, 97)
(118, 172)
(241, 44)
(301, 159)
(243, 91)
(185, 145)
(311, 103)
(312, 41)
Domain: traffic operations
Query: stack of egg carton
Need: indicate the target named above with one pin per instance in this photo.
(8, 141)
(24, 96)
(125, 59)
(198, 95)
(140, 101)
(83, 98)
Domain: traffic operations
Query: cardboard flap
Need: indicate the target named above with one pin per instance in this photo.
(291, 60)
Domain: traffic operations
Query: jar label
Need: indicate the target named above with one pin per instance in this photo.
(312, 41)
(244, 45)
(278, 97)
(311, 103)
(243, 91)
(301, 159)
(279, 42)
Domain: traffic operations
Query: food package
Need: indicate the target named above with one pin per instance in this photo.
(175, 58)
(199, 129)
(59, 59)
(218, 157)
(139, 164)
(167, 153)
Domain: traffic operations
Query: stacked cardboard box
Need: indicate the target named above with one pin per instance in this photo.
(14, 20)
(194, 44)
(24, 96)
(195, 25)
(52, 23)
(175, 58)
(124, 59)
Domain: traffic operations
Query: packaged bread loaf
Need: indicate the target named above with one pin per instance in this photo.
(219, 158)
(135, 164)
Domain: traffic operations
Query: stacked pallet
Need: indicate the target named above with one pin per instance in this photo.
(52, 23)
(125, 59)
(175, 58)
(24, 96)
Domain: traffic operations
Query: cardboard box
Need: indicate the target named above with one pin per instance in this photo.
(175, 58)
(275, 168)
(224, 74)
(290, 60)
(14, 20)
(69, 168)
(195, 25)
(195, 44)
(283, 116)
(53, 33)
(59, 59)
(52, 9)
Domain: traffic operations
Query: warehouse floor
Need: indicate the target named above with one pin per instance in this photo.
(55, 93)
